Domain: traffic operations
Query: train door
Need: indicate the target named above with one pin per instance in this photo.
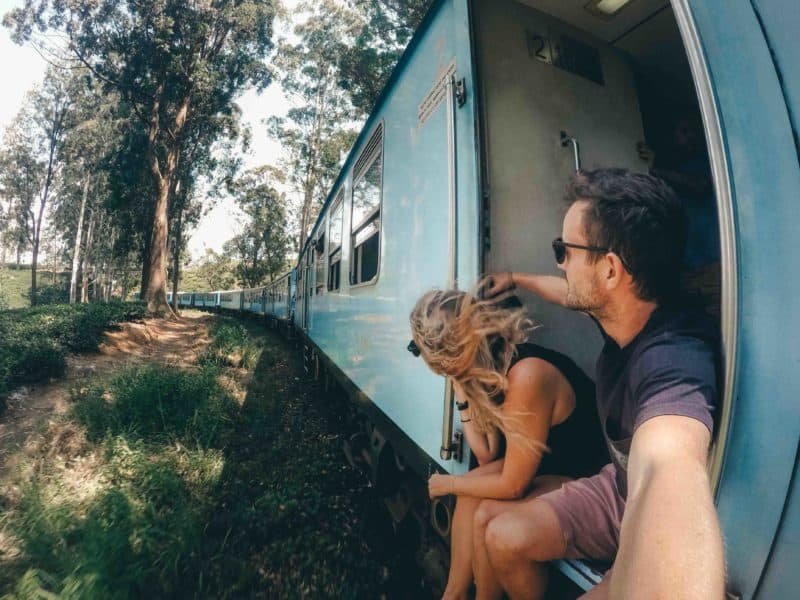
(707, 100)
(576, 85)
(305, 287)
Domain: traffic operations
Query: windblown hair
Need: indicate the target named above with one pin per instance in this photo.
(473, 341)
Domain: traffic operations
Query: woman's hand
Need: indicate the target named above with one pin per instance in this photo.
(440, 485)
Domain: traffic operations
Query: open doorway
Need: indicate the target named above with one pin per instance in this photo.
(564, 86)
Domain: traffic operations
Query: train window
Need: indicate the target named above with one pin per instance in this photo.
(319, 260)
(366, 211)
(335, 244)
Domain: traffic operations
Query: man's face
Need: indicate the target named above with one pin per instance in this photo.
(584, 291)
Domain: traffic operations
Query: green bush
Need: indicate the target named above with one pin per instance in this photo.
(34, 341)
(51, 293)
(35, 360)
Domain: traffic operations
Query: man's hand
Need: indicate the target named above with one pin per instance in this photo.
(548, 287)
(499, 282)
(440, 485)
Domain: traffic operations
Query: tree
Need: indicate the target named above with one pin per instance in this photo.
(319, 131)
(171, 61)
(213, 272)
(33, 146)
(385, 28)
(211, 162)
(83, 185)
(262, 245)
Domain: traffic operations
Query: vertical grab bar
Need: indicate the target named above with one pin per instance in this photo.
(567, 139)
(448, 448)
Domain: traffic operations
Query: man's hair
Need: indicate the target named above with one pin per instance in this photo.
(639, 218)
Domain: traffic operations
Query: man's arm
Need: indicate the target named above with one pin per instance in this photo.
(670, 543)
(548, 287)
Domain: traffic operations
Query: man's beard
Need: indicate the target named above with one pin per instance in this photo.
(587, 300)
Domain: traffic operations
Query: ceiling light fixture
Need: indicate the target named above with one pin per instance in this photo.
(606, 9)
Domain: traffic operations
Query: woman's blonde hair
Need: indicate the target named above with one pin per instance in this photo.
(473, 341)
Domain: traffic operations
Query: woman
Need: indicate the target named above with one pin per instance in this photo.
(526, 411)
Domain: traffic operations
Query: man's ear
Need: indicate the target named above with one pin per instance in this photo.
(613, 272)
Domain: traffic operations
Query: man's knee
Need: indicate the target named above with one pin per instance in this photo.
(524, 536)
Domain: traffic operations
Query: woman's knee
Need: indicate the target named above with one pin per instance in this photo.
(531, 535)
(484, 513)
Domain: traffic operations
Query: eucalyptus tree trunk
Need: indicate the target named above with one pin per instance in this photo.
(86, 259)
(164, 179)
(53, 138)
(176, 259)
(76, 253)
(312, 167)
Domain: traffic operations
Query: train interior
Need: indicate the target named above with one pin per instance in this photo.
(566, 81)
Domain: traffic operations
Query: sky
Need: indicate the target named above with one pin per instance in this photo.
(21, 68)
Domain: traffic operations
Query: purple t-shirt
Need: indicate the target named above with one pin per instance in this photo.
(669, 368)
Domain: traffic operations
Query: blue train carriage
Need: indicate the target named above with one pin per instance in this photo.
(253, 300)
(460, 170)
(279, 298)
(231, 300)
(206, 299)
(185, 299)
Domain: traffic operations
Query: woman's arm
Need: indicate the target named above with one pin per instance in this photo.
(484, 446)
(529, 402)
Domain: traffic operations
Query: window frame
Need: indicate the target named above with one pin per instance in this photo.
(320, 258)
(338, 205)
(369, 155)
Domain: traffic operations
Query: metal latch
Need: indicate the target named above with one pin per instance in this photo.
(455, 451)
(461, 92)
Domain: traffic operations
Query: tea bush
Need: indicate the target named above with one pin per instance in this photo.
(34, 341)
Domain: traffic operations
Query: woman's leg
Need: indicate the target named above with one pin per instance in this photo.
(486, 583)
(460, 577)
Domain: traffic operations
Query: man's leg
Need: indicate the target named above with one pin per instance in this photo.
(520, 542)
(578, 520)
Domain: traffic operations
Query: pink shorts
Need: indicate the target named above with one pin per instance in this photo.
(590, 512)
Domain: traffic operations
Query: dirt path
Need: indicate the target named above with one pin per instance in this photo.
(31, 410)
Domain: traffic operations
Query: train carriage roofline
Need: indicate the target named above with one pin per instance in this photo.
(374, 117)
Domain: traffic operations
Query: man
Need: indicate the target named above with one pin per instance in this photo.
(650, 511)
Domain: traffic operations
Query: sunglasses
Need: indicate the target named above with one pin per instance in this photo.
(560, 251)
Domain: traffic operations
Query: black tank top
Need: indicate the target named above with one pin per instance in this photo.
(577, 446)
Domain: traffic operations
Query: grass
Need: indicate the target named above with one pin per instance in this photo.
(185, 492)
(156, 403)
(231, 345)
(15, 284)
(34, 341)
